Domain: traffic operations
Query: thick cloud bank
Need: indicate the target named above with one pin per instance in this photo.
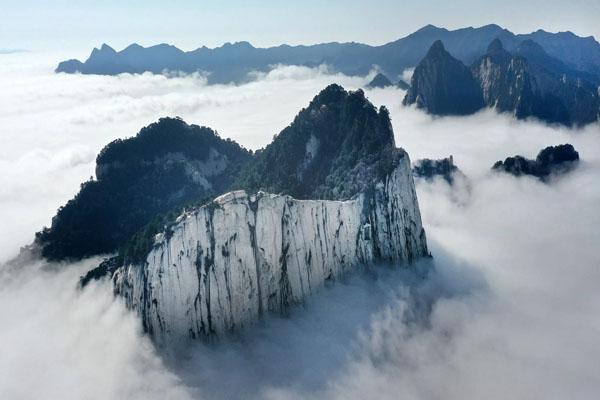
(514, 305)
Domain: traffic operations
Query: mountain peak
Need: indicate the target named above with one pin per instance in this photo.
(436, 48)
(439, 81)
(429, 28)
(106, 48)
(380, 81)
(336, 147)
(495, 46)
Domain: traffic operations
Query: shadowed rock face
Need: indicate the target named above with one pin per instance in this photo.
(533, 84)
(505, 81)
(443, 85)
(550, 161)
(529, 83)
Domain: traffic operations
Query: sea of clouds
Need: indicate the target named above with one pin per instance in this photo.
(513, 306)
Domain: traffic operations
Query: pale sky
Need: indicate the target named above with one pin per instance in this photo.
(83, 24)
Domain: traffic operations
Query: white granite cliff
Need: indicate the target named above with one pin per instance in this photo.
(222, 266)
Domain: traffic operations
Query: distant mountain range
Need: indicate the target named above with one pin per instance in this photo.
(233, 62)
(527, 82)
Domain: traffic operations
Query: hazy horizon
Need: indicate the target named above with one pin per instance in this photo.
(188, 25)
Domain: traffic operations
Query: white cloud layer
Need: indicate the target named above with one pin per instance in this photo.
(516, 311)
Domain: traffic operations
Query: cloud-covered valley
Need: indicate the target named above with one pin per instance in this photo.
(515, 305)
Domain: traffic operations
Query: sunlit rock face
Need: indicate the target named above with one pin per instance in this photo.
(222, 266)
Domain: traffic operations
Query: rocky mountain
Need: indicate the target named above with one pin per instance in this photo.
(428, 169)
(167, 165)
(533, 84)
(528, 83)
(550, 161)
(334, 149)
(233, 62)
(380, 81)
(342, 198)
(443, 85)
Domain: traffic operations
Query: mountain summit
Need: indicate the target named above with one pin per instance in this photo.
(443, 85)
(334, 149)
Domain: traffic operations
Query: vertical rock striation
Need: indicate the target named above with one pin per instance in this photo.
(222, 266)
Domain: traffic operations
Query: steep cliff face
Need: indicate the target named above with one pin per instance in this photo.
(443, 85)
(505, 81)
(222, 266)
(528, 83)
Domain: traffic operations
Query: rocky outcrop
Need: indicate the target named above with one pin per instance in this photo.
(443, 85)
(429, 169)
(379, 81)
(222, 266)
(552, 160)
(530, 83)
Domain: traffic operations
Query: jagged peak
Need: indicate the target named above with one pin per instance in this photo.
(104, 49)
(437, 48)
(380, 81)
(243, 43)
(331, 93)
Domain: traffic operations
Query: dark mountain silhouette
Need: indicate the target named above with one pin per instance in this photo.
(380, 81)
(233, 62)
(528, 83)
(443, 85)
(552, 160)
